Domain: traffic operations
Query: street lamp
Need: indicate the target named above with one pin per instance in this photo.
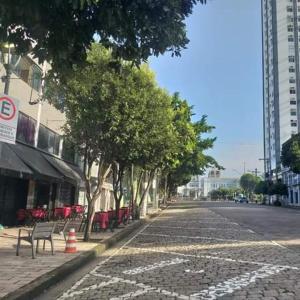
(6, 54)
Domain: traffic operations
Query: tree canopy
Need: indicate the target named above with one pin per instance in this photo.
(248, 182)
(117, 117)
(62, 31)
(189, 157)
(290, 154)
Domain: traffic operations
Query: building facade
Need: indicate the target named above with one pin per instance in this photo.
(41, 169)
(201, 186)
(281, 82)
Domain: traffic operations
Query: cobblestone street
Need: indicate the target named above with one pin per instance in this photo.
(191, 252)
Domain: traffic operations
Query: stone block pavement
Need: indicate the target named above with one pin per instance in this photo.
(190, 253)
(18, 271)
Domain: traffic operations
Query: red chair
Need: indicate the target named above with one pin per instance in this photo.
(77, 211)
(21, 216)
(62, 212)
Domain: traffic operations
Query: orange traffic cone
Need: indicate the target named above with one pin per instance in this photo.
(71, 242)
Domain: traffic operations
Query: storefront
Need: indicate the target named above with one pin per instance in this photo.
(14, 184)
(30, 178)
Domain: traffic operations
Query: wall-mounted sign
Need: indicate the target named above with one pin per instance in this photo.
(9, 113)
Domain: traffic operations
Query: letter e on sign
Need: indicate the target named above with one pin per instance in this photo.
(7, 108)
(9, 113)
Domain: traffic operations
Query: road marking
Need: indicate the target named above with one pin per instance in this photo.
(277, 244)
(213, 258)
(194, 272)
(163, 263)
(90, 288)
(143, 289)
(236, 283)
(250, 230)
(191, 237)
(85, 277)
(201, 228)
(132, 294)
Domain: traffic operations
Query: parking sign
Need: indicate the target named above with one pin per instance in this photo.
(9, 112)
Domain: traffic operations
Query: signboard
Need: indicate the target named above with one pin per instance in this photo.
(9, 113)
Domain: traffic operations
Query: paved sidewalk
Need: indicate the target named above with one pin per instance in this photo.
(18, 271)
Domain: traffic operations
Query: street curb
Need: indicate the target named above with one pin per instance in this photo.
(39, 285)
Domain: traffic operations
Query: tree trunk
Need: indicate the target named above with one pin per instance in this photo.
(90, 218)
(118, 174)
(147, 187)
(103, 172)
(166, 190)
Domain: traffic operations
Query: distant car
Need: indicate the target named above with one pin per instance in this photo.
(244, 200)
(241, 200)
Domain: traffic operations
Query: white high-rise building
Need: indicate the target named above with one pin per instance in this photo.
(281, 77)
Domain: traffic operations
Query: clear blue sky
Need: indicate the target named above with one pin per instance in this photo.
(220, 74)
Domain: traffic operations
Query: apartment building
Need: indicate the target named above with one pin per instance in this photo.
(281, 41)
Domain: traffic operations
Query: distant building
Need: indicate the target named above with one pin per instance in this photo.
(214, 183)
(200, 186)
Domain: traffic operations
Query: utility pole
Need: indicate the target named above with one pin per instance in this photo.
(244, 167)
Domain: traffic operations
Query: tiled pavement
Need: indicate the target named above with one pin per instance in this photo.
(17, 271)
(192, 254)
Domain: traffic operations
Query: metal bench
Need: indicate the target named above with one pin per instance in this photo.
(63, 227)
(40, 231)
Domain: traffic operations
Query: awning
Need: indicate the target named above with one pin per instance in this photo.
(36, 161)
(69, 174)
(11, 164)
(79, 172)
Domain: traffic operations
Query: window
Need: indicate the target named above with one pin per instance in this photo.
(292, 91)
(293, 123)
(289, 8)
(293, 112)
(292, 80)
(290, 28)
(26, 129)
(291, 58)
(290, 38)
(68, 151)
(48, 140)
(293, 102)
(29, 72)
(291, 69)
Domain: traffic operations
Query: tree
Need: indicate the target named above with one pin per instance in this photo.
(157, 143)
(188, 157)
(278, 188)
(62, 31)
(248, 182)
(262, 187)
(117, 116)
(290, 154)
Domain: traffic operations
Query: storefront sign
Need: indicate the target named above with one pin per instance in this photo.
(9, 112)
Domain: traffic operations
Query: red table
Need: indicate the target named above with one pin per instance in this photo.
(101, 219)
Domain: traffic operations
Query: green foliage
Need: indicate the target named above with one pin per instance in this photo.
(224, 193)
(116, 114)
(290, 154)
(278, 188)
(189, 158)
(262, 187)
(248, 182)
(61, 31)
